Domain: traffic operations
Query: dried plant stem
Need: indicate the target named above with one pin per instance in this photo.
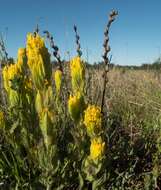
(4, 60)
(3, 51)
(107, 49)
(55, 48)
(79, 52)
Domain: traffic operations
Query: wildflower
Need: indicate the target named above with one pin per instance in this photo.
(97, 148)
(12, 79)
(38, 60)
(76, 106)
(77, 74)
(93, 120)
(58, 80)
(10, 73)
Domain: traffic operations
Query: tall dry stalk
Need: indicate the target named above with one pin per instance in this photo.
(107, 49)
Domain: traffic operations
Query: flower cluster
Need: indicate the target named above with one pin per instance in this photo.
(76, 102)
(77, 74)
(97, 148)
(93, 120)
(13, 77)
(9, 74)
(93, 123)
(38, 60)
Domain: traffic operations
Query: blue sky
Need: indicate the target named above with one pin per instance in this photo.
(135, 37)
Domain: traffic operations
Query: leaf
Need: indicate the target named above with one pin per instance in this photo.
(81, 181)
(97, 184)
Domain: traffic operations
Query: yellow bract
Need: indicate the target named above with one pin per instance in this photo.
(97, 148)
(38, 60)
(58, 80)
(77, 74)
(93, 120)
(75, 106)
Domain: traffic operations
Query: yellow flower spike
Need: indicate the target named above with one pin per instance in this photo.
(13, 71)
(77, 70)
(38, 60)
(10, 73)
(58, 80)
(93, 120)
(76, 106)
(2, 121)
(97, 148)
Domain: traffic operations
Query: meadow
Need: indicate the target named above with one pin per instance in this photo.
(73, 126)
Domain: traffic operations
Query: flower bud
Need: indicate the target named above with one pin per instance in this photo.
(76, 106)
(77, 74)
(58, 80)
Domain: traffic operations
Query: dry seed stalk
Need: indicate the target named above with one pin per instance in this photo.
(77, 41)
(5, 59)
(55, 48)
(107, 49)
(3, 50)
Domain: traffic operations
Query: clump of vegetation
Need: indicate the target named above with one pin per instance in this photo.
(77, 127)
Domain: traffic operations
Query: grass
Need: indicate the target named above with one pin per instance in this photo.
(132, 130)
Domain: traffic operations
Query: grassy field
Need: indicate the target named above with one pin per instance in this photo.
(131, 131)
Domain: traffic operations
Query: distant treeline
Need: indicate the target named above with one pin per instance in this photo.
(146, 66)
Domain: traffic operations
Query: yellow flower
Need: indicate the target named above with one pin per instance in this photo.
(93, 120)
(10, 73)
(58, 80)
(2, 121)
(97, 148)
(38, 60)
(77, 70)
(76, 106)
